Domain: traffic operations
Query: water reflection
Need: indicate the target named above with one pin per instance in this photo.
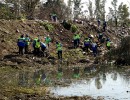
(76, 72)
(98, 83)
(110, 83)
(114, 76)
(60, 73)
(23, 78)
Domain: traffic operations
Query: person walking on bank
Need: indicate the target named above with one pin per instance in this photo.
(98, 22)
(34, 43)
(94, 48)
(27, 42)
(108, 45)
(21, 44)
(47, 40)
(78, 35)
(75, 40)
(59, 50)
(104, 25)
(43, 48)
(86, 44)
(37, 47)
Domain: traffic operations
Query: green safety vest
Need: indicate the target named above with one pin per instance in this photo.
(27, 40)
(47, 40)
(108, 44)
(59, 47)
(74, 37)
(78, 36)
(37, 45)
(87, 40)
(21, 39)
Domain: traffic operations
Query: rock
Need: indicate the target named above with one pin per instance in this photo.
(100, 98)
(17, 31)
(84, 61)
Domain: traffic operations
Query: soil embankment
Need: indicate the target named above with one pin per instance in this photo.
(10, 32)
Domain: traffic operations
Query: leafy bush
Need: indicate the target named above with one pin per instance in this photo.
(5, 12)
(49, 27)
(74, 28)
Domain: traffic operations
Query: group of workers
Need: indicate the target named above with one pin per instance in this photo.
(39, 47)
(24, 42)
(90, 44)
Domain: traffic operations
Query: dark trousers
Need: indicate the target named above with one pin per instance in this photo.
(26, 49)
(75, 43)
(43, 52)
(104, 28)
(108, 47)
(37, 51)
(86, 48)
(78, 42)
(59, 54)
(21, 50)
(94, 51)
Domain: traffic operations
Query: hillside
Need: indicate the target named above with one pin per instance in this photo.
(11, 30)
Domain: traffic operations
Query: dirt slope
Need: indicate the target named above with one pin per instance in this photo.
(11, 30)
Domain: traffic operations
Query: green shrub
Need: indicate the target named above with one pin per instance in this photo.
(49, 27)
(74, 28)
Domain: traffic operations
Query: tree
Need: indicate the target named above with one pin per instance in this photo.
(102, 5)
(100, 9)
(114, 10)
(29, 7)
(77, 8)
(90, 9)
(22, 7)
(6, 10)
(54, 6)
(123, 12)
(70, 8)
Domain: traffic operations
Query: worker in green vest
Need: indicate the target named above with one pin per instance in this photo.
(21, 44)
(27, 42)
(78, 35)
(75, 40)
(59, 50)
(47, 40)
(37, 47)
(108, 45)
(86, 44)
(34, 43)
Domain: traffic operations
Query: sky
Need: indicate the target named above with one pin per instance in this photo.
(108, 3)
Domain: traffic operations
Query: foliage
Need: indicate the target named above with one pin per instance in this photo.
(121, 53)
(49, 27)
(70, 9)
(90, 8)
(113, 11)
(5, 12)
(13, 9)
(100, 9)
(77, 8)
(29, 7)
(74, 28)
(123, 12)
(54, 6)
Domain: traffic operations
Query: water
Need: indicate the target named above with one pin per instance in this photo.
(110, 85)
(110, 82)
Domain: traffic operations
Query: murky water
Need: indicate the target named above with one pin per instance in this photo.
(109, 82)
(112, 85)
